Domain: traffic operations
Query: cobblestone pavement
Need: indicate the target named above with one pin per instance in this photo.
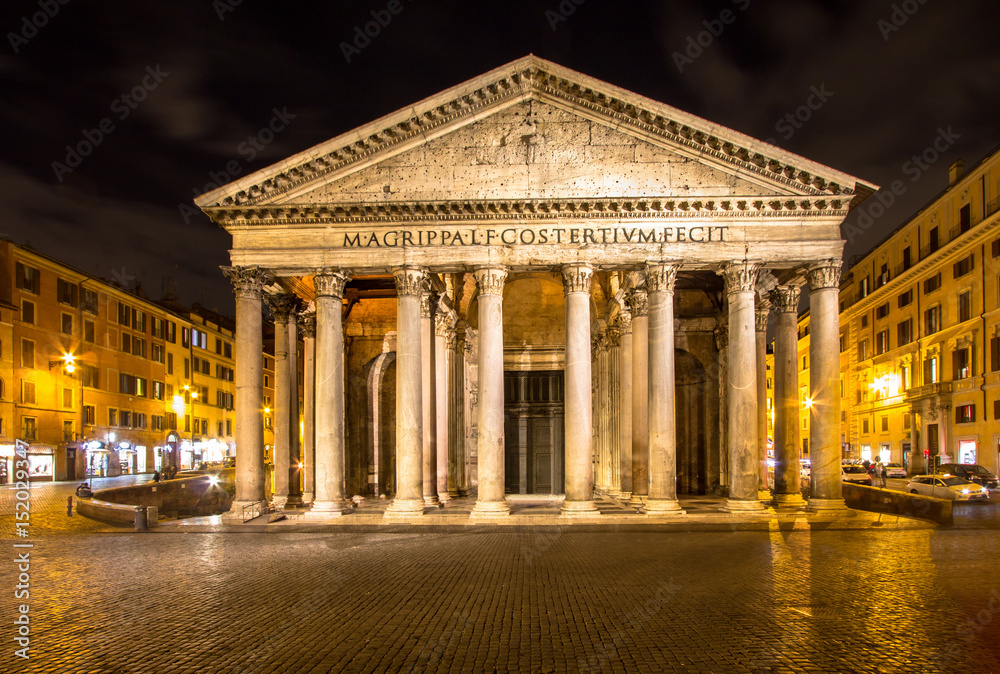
(793, 598)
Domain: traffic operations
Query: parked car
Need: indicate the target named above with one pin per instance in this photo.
(805, 469)
(229, 462)
(970, 471)
(855, 474)
(894, 470)
(948, 487)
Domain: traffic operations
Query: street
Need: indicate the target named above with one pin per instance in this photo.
(559, 599)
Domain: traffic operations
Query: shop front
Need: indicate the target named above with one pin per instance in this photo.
(126, 456)
(41, 462)
(6, 463)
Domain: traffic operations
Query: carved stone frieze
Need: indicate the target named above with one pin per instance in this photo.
(410, 280)
(248, 282)
(740, 277)
(825, 274)
(785, 299)
(661, 276)
(576, 278)
(490, 280)
(330, 282)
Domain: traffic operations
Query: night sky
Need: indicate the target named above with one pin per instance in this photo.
(885, 80)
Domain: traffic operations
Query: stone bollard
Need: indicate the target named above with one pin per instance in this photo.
(140, 518)
(69, 506)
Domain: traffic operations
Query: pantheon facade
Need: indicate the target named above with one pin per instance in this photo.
(536, 282)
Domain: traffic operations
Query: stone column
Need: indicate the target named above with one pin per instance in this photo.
(613, 411)
(428, 381)
(639, 308)
(329, 498)
(282, 306)
(456, 415)
(442, 326)
(824, 385)
(787, 487)
(409, 500)
(248, 282)
(307, 324)
(721, 462)
(599, 359)
(741, 278)
(490, 454)
(624, 323)
(294, 426)
(762, 310)
(579, 405)
(662, 499)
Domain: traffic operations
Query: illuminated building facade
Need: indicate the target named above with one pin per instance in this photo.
(93, 376)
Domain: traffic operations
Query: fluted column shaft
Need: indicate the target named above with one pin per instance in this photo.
(762, 310)
(329, 408)
(428, 380)
(741, 279)
(625, 404)
(824, 385)
(282, 306)
(787, 487)
(662, 499)
(442, 326)
(638, 304)
(409, 500)
(248, 283)
(491, 501)
(308, 327)
(579, 404)
(294, 446)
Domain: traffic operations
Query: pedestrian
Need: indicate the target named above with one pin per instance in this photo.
(156, 476)
(880, 470)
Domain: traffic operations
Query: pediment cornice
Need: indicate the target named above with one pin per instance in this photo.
(525, 210)
(531, 77)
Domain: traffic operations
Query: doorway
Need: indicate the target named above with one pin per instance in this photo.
(534, 450)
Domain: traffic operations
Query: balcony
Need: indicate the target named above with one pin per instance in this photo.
(928, 391)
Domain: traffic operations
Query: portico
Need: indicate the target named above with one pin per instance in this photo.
(505, 227)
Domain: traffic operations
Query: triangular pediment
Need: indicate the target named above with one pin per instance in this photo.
(535, 130)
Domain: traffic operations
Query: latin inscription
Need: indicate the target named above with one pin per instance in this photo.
(514, 236)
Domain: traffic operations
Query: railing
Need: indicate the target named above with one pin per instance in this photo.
(252, 511)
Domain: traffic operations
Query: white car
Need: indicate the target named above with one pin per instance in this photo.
(947, 487)
(894, 470)
(805, 469)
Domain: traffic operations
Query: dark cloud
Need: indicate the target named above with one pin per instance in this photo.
(119, 208)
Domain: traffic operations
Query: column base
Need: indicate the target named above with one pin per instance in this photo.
(294, 500)
(444, 498)
(322, 510)
(579, 509)
(277, 500)
(763, 495)
(789, 500)
(235, 511)
(663, 506)
(455, 493)
(624, 496)
(636, 500)
(614, 493)
(742, 506)
(490, 510)
(827, 505)
(308, 497)
(401, 508)
(432, 501)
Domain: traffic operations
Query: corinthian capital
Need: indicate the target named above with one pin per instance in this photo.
(785, 299)
(825, 274)
(307, 324)
(638, 303)
(410, 280)
(248, 281)
(283, 305)
(660, 277)
(330, 282)
(428, 304)
(740, 277)
(624, 323)
(490, 280)
(576, 277)
(761, 310)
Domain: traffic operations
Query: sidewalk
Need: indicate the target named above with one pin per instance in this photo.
(702, 513)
